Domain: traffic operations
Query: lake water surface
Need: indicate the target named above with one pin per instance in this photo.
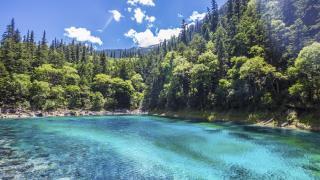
(146, 147)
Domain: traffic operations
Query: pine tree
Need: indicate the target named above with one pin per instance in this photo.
(31, 40)
(103, 61)
(10, 47)
(84, 55)
(10, 32)
(183, 33)
(97, 69)
(73, 57)
(221, 47)
(230, 10)
(77, 52)
(26, 38)
(31, 47)
(42, 54)
(214, 15)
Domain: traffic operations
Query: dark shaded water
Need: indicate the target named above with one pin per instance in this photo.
(145, 147)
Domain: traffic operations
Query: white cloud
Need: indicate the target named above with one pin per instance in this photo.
(142, 39)
(165, 34)
(116, 15)
(129, 9)
(82, 35)
(130, 33)
(142, 2)
(196, 16)
(148, 38)
(180, 15)
(139, 15)
(150, 19)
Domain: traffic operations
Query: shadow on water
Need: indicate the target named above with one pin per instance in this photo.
(213, 131)
(242, 136)
(179, 146)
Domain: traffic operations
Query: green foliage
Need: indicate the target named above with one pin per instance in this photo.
(97, 100)
(73, 96)
(306, 71)
(224, 84)
(3, 70)
(56, 57)
(102, 83)
(296, 89)
(250, 54)
(57, 98)
(256, 69)
(198, 43)
(48, 73)
(137, 82)
(257, 51)
(21, 83)
(40, 92)
(116, 90)
(209, 59)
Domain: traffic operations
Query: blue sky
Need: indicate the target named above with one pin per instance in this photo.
(106, 23)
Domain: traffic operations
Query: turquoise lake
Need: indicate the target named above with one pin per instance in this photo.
(147, 147)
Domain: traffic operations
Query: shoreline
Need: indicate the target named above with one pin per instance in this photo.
(66, 113)
(207, 117)
(197, 116)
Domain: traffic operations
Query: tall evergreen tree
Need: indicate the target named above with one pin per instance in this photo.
(214, 15)
(103, 63)
(183, 33)
(42, 54)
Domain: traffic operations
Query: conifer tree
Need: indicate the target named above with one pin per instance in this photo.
(214, 15)
(183, 33)
(103, 61)
(42, 55)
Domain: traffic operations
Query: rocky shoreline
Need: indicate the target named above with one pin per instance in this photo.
(22, 114)
(261, 123)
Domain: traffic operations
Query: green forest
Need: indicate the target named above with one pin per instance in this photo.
(249, 55)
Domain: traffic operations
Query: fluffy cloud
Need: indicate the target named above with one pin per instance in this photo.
(82, 35)
(116, 15)
(142, 2)
(148, 38)
(138, 15)
(165, 34)
(142, 39)
(150, 19)
(196, 16)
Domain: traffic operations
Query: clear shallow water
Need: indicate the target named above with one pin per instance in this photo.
(144, 147)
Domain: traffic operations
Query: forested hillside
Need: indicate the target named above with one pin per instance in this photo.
(252, 55)
(248, 55)
(47, 77)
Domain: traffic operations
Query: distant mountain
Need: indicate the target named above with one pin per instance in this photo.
(131, 52)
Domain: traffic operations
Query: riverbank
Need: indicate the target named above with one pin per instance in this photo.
(22, 114)
(263, 119)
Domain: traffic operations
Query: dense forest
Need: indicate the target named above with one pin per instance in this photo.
(248, 55)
